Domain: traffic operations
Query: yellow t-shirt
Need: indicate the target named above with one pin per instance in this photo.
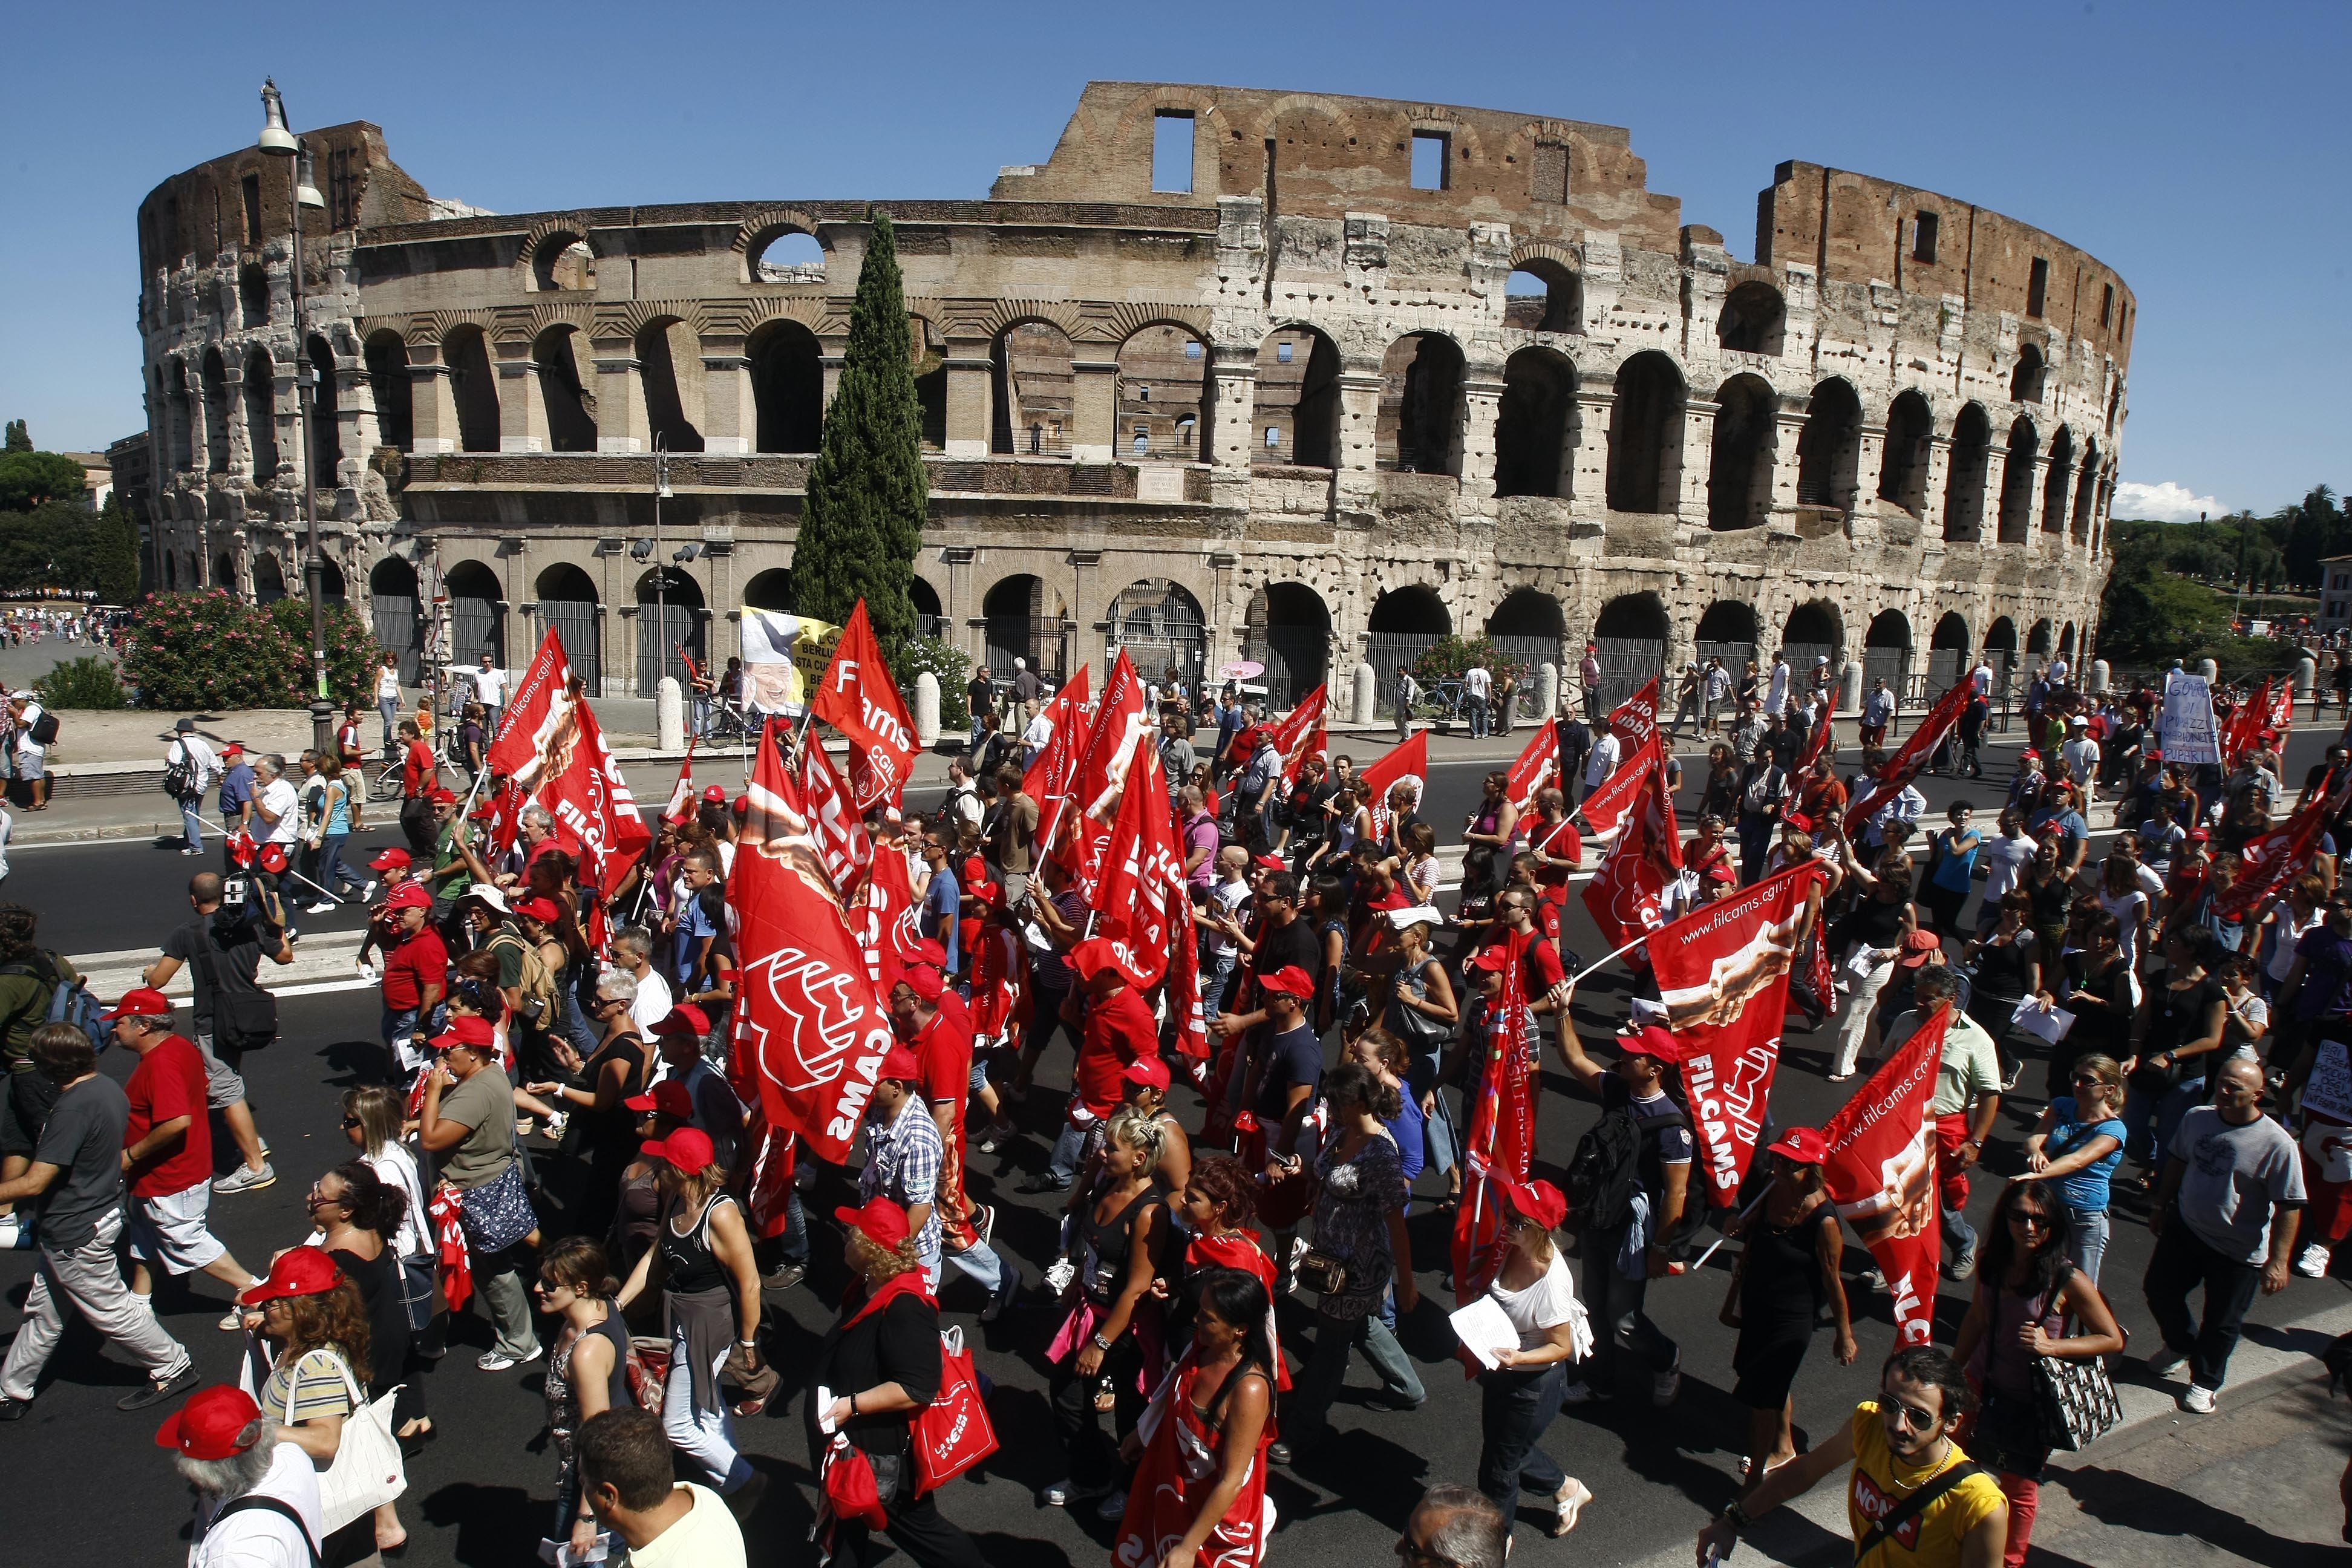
(1931, 1538)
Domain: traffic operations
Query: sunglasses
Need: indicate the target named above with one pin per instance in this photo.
(349, 1122)
(2032, 1219)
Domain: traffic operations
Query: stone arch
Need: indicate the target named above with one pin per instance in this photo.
(386, 355)
(930, 365)
(260, 399)
(2000, 647)
(788, 253)
(1631, 636)
(179, 424)
(787, 386)
(671, 614)
(1645, 427)
(1902, 465)
(1829, 448)
(1406, 622)
(252, 297)
(2086, 492)
(473, 387)
(2055, 479)
(224, 571)
(326, 414)
(2037, 641)
(2025, 381)
(1288, 628)
(930, 618)
(1739, 459)
(1728, 631)
(1815, 630)
(214, 378)
(1753, 319)
(1165, 392)
(2066, 643)
(571, 408)
(396, 613)
(1534, 421)
(1033, 398)
(669, 361)
(1886, 650)
(760, 229)
(568, 607)
(561, 259)
(2017, 482)
(477, 605)
(1544, 293)
(1947, 654)
(771, 590)
(269, 579)
(1296, 410)
(1964, 487)
(1023, 619)
(1159, 622)
(1527, 628)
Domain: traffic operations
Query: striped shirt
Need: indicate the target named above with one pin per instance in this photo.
(313, 1381)
(902, 1163)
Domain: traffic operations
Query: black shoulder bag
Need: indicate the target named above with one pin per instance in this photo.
(1913, 1506)
(242, 1020)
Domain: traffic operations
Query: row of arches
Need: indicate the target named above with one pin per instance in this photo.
(230, 407)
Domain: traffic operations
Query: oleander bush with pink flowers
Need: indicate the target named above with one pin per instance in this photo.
(209, 649)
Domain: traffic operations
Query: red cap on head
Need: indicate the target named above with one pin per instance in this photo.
(1652, 1041)
(1917, 946)
(142, 1002)
(2199, 836)
(409, 896)
(743, 806)
(1094, 955)
(1268, 862)
(1494, 958)
(1798, 820)
(1149, 1071)
(386, 859)
(470, 1029)
(302, 1271)
(929, 951)
(1538, 1201)
(1805, 1145)
(234, 749)
(444, 798)
(924, 981)
(880, 1221)
(212, 1424)
(686, 1018)
(714, 794)
(902, 1065)
(540, 908)
(668, 1098)
(1288, 981)
(688, 1149)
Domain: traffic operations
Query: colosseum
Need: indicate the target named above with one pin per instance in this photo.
(1306, 379)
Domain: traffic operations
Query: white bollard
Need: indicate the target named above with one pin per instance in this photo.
(2306, 675)
(669, 715)
(1849, 697)
(2100, 676)
(2208, 670)
(1365, 696)
(1548, 692)
(926, 709)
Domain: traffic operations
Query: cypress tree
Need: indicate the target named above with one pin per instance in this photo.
(862, 519)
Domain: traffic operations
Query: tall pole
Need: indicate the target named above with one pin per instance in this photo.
(278, 139)
(661, 566)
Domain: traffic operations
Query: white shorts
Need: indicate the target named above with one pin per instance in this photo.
(172, 1230)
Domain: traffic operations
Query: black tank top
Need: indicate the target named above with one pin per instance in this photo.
(1109, 1243)
(688, 1262)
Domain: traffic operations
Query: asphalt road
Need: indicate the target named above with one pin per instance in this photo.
(87, 1484)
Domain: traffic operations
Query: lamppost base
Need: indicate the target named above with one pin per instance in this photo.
(323, 727)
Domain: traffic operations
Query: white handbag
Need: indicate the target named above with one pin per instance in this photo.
(367, 1469)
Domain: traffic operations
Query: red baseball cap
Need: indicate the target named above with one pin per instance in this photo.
(924, 981)
(540, 908)
(409, 896)
(688, 1149)
(388, 858)
(468, 1029)
(743, 806)
(273, 858)
(902, 1065)
(1798, 820)
(1805, 1145)
(1094, 955)
(142, 1002)
(1916, 946)
(1651, 1041)
(1538, 1201)
(1288, 981)
(668, 1098)
(234, 749)
(1149, 1071)
(686, 1018)
(714, 794)
(1268, 862)
(880, 1221)
(444, 798)
(298, 1271)
(212, 1424)
(929, 950)
(2199, 836)
(1494, 958)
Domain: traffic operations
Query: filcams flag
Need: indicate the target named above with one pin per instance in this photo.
(858, 698)
(1625, 893)
(808, 1033)
(1607, 807)
(1406, 763)
(1101, 777)
(1501, 1141)
(2245, 723)
(1534, 769)
(1144, 887)
(784, 657)
(1296, 738)
(1047, 782)
(540, 704)
(842, 841)
(1635, 719)
(2270, 862)
(1880, 1174)
(1904, 765)
(1723, 973)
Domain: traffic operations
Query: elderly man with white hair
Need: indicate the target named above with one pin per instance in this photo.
(258, 1503)
(633, 947)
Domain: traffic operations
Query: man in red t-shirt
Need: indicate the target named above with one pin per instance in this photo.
(415, 976)
(420, 776)
(942, 1046)
(167, 1151)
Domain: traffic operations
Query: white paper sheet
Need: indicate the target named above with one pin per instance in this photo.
(1483, 1327)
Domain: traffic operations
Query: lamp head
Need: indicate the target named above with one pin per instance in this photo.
(275, 138)
(306, 189)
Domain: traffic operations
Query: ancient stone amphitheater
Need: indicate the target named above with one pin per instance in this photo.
(1305, 379)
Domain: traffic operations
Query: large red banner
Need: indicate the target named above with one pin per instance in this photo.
(835, 821)
(2271, 861)
(1534, 769)
(1624, 895)
(1143, 891)
(809, 1034)
(1904, 765)
(1101, 777)
(1607, 807)
(1047, 782)
(537, 701)
(1880, 1174)
(1298, 734)
(1723, 973)
(592, 804)
(1635, 719)
(858, 698)
(1406, 762)
(1501, 1141)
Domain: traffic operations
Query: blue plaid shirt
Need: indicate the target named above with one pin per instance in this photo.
(902, 1163)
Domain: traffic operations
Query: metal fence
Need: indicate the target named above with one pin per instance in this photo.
(477, 627)
(661, 628)
(577, 623)
(1026, 638)
(1801, 658)
(399, 628)
(1297, 662)
(1891, 665)
(1390, 649)
(1626, 664)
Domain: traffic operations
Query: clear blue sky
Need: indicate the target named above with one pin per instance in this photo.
(2200, 150)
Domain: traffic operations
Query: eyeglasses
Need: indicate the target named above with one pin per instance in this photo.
(2032, 1219)
(1908, 1416)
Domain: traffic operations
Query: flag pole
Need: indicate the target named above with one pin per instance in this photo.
(1695, 1264)
(1603, 961)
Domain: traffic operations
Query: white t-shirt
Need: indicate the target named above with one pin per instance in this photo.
(1603, 761)
(387, 683)
(1476, 681)
(654, 1001)
(2082, 759)
(200, 758)
(706, 1538)
(258, 1538)
(489, 687)
(1228, 897)
(282, 797)
(1775, 693)
(26, 745)
(1542, 1306)
(397, 1167)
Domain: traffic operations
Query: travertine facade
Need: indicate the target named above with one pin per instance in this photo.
(1306, 409)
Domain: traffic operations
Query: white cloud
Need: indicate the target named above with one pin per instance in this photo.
(2167, 502)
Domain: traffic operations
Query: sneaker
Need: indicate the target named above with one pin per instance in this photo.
(1062, 1493)
(1044, 1182)
(983, 1220)
(783, 1277)
(2200, 1400)
(156, 1393)
(1008, 1290)
(499, 1361)
(14, 1409)
(1112, 1509)
(1665, 1386)
(323, 907)
(2168, 1363)
(1584, 1394)
(556, 1124)
(246, 1179)
(1963, 1265)
(231, 1320)
(995, 1136)
(191, 851)
(2313, 1260)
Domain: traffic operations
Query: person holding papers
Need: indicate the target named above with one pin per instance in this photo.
(1524, 1331)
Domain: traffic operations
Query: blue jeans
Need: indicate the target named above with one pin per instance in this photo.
(192, 819)
(2165, 1109)
(1326, 1368)
(389, 706)
(333, 875)
(1960, 1235)
(1062, 1163)
(1477, 706)
(1514, 1409)
(2087, 1239)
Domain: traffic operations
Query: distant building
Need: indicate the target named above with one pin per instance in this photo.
(2335, 595)
(97, 477)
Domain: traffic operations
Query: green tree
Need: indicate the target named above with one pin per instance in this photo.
(29, 478)
(19, 439)
(867, 493)
(114, 554)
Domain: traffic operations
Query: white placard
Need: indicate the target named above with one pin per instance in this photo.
(2047, 1025)
(2329, 1089)
(2188, 733)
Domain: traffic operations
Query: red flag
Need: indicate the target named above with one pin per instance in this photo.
(2246, 720)
(1143, 890)
(1904, 765)
(592, 803)
(1818, 741)
(1299, 735)
(681, 794)
(1047, 782)
(1183, 991)
(1606, 808)
(1501, 1141)
(858, 698)
(810, 1033)
(1723, 975)
(1119, 718)
(1408, 761)
(537, 704)
(1625, 894)
(1635, 719)
(2283, 709)
(2270, 861)
(835, 824)
(882, 919)
(501, 815)
(1880, 1174)
(1000, 982)
(1534, 768)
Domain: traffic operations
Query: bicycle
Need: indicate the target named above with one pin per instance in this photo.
(730, 721)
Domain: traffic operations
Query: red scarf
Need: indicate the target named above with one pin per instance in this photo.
(911, 1283)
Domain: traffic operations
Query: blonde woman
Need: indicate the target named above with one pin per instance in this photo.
(2076, 1146)
(317, 1326)
(373, 1124)
(1518, 1397)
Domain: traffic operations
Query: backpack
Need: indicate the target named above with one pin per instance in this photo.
(45, 729)
(536, 981)
(945, 816)
(1606, 1166)
(69, 1001)
(181, 778)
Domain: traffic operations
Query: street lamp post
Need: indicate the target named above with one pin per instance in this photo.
(279, 141)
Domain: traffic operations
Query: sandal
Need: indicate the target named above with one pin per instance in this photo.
(1567, 1504)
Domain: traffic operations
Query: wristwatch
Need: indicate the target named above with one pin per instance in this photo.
(1100, 1343)
(1735, 1516)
